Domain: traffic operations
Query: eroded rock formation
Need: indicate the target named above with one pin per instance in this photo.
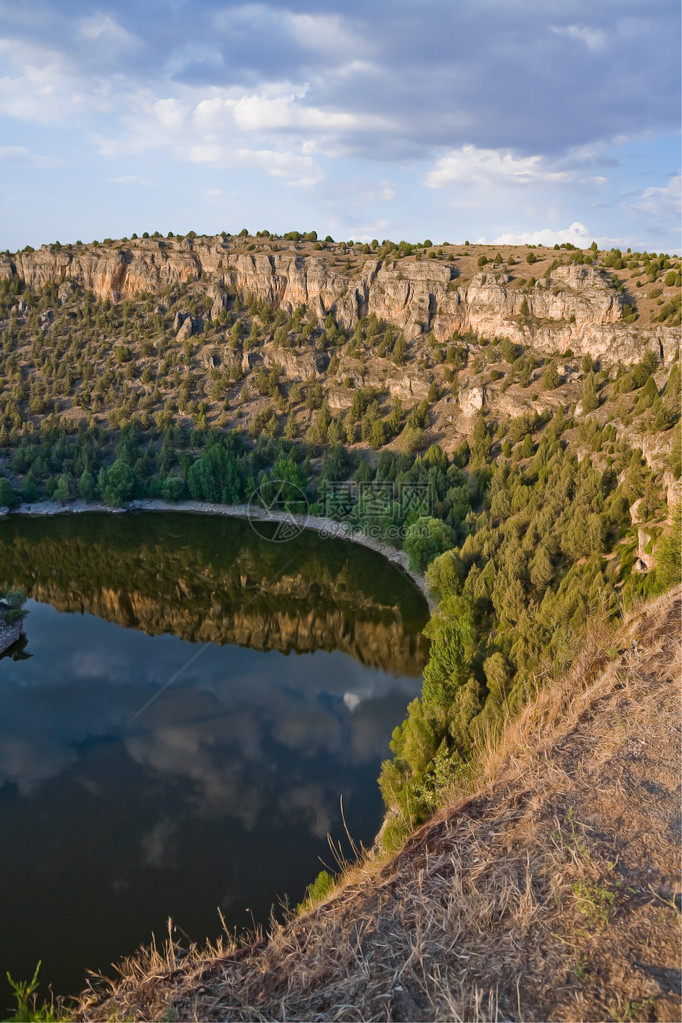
(574, 307)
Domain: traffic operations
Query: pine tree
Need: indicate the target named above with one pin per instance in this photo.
(541, 570)
(550, 378)
(590, 398)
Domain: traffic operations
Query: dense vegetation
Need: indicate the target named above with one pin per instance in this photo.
(534, 522)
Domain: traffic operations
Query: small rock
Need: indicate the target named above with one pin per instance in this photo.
(405, 1008)
(217, 307)
(66, 290)
(186, 329)
(471, 401)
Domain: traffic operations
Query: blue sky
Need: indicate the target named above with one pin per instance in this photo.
(502, 120)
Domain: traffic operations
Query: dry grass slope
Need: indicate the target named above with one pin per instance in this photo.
(552, 892)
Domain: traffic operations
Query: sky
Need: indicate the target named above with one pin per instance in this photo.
(501, 121)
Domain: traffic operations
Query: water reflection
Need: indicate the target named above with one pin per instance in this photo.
(124, 799)
(215, 580)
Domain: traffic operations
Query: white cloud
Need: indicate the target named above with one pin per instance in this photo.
(22, 156)
(354, 67)
(171, 113)
(324, 32)
(365, 232)
(299, 170)
(576, 233)
(260, 113)
(592, 38)
(103, 27)
(471, 166)
(220, 130)
(41, 86)
(662, 202)
(217, 130)
(193, 53)
(362, 195)
(274, 110)
(130, 179)
(13, 154)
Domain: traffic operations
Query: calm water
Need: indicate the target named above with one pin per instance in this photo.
(189, 706)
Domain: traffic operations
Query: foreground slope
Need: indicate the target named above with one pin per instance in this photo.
(550, 892)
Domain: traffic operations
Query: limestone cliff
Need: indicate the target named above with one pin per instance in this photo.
(573, 306)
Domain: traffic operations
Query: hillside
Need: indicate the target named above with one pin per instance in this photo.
(549, 891)
(369, 346)
(583, 301)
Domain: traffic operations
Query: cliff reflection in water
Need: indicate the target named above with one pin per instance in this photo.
(215, 580)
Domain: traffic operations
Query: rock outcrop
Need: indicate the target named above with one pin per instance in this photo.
(471, 401)
(574, 307)
(9, 633)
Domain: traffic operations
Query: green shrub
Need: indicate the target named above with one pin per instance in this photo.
(669, 551)
(550, 378)
(425, 539)
(317, 891)
(28, 1009)
(8, 497)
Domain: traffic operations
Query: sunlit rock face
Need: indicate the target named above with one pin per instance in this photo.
(574, 307)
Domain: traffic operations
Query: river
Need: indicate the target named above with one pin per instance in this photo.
(189, 706)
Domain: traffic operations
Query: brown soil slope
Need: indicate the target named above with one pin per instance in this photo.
(552, 893)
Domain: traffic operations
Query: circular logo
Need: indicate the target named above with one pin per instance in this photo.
(282, 503)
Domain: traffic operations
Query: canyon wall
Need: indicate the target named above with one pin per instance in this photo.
(575, 307)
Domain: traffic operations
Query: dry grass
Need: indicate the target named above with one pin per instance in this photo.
(549, 893)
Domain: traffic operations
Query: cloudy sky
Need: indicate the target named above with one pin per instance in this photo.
(503, 120)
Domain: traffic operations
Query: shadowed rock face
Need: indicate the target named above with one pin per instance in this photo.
(217, 582)
(573, 308)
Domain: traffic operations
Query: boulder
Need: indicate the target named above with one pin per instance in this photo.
(250, 359)
(471, 401)
(66, 290)
(219, 303)
(186, 330)
(9, 634)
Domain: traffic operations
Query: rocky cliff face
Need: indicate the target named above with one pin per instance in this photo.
(574, 307)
